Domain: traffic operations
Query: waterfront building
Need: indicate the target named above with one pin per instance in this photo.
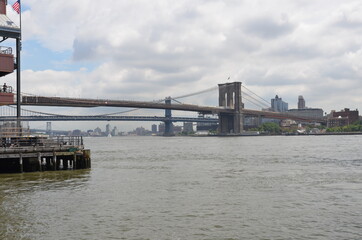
(188, 127)
(278, 105)
(115, 131)
(301, 102)
(337, 122)
(342, 118)
(97, 131)
(161, 128)
(177, 129)
(108, 129)
(76, 132)
(306, 112)
(49, 129)
(154, 128)
(251, 122)
(205, 126)
(140, 131)
(288, 123)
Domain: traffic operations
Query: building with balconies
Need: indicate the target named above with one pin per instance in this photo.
(342, 118)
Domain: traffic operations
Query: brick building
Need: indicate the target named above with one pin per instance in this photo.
(342, 118)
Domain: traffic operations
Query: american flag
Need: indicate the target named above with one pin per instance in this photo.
(16, 6)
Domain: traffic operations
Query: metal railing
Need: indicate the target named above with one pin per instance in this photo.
(45, 142)
(6, 50)
(68, 140)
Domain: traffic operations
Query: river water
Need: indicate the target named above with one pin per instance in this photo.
(282, 187)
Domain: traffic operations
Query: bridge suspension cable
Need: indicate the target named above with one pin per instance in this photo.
(267, 103)
(29, 112)
(247, 99)
(254, 100)
(197, 93)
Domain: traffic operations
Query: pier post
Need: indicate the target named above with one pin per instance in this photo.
(55, 161)
(61, 166)
(44, 165)
(39, 161)
(74, 161)
(21, 167)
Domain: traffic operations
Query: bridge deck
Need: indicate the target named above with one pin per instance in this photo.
(74, 102)
(107, 118)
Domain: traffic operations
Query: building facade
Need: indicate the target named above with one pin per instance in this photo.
(307, 113)
(342, 118)
(188, 127)
(161, 128)
(154, 128)
(301, 102)
(278, 105)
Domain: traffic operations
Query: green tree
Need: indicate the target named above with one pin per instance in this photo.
(271, 128)
(356, 127)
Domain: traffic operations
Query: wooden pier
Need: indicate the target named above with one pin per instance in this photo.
(32, 154)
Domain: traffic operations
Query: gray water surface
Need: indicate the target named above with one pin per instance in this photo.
(307, 187)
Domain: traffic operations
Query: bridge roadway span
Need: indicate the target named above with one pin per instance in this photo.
(77, 102)
(108, 118)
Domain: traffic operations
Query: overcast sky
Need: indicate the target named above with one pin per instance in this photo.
(146, 50)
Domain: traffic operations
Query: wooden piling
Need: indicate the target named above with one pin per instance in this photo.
(21, 168)
(74, 161)
(54, 161)
(39, 161)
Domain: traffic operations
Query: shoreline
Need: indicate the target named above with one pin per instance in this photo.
(287, 135)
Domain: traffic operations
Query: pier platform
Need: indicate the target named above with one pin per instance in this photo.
(32, 154)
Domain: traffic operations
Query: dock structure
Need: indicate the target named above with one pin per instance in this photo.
(19, 151)
(34, 154)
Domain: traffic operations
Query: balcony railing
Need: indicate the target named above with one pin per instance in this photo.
(63, 142)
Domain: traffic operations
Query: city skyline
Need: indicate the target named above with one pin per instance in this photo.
(281, 48)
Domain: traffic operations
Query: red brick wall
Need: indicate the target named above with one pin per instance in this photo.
(3, 7)
(352, 115)
(6, 98)
(6, 63)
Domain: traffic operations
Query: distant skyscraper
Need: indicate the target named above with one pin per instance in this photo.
(301, 102)
(154, 128)
(161, 128)
(278, 105)
(108, 129)
(114, 131)
(97, 131)
(49, 128)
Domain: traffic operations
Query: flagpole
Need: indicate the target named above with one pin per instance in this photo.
(18, 75)
(20, 19)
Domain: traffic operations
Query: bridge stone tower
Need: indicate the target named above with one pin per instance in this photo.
(168, 122)
(230, 97)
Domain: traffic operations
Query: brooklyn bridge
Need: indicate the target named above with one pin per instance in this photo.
(229, 114)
